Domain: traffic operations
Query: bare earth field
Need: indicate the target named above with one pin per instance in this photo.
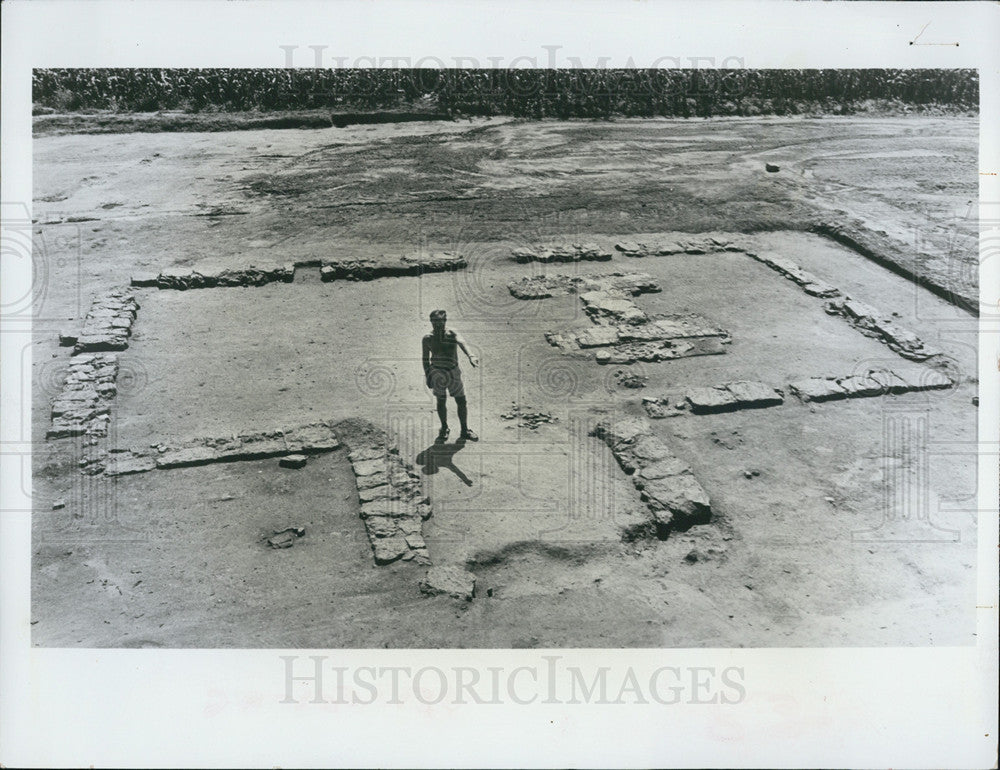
(848, 522)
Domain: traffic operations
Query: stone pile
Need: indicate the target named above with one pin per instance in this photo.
(733, 396)
(658, 407)
(108, 324)
(650, 340)
(370, 269)
(210, 275)
(84, 404)
(566, 252)
(631, 380)
(526, 418)
(663, 247)
(304, 439)
(872, 323)
(874, 382)
(545, 286)
(666, 484)
(609, 306)
(810, 284)
(623, 333)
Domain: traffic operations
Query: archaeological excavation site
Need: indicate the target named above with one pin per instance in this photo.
(726, 395)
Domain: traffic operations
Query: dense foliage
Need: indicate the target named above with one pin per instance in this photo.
(518, 92)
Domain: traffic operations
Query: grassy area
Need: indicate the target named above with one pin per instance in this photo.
(113, 100)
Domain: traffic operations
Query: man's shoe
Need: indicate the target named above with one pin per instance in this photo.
(443, 436)
(468, 435)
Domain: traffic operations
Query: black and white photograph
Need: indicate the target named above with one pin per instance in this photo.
(473, 358)
(533, 354)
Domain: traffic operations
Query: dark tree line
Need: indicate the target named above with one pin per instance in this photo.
(562, 93)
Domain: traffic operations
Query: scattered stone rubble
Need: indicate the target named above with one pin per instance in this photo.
(209, 275)
(742, 394)
(449, 579)
(285, 538)
(631, 380)
(874, 382)
(303, 440)
(526, 418)
(108, 324)
(875, 324)
(659, 407)
(84, 404)
(392, 504)
(810, 284)
(663, 247)
(667, 485)
(369, 269)
(566, 252)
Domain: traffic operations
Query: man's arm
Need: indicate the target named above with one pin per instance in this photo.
(461, 343)
(426, 354)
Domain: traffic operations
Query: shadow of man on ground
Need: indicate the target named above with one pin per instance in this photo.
(438, 456)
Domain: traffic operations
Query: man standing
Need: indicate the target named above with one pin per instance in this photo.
(441, 372)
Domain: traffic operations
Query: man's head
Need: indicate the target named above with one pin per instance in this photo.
(438, 319)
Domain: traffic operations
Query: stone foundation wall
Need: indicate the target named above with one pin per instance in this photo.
(303, 439)
(810, 284)
(386, 267)
(393, 506)
(108, 324)
(874, 382)
(875, 324)
(937, 275)
(210, 275)
(562, 252)
(733, 396)
(743, 394)
(665, 247)
(83, 406)
(666, 484)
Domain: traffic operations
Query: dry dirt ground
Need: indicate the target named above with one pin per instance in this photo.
(828, 527)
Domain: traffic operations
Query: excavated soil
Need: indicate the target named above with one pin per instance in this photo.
(838, 523)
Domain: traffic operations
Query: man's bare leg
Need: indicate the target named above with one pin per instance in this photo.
(442, 410)
(463, 418)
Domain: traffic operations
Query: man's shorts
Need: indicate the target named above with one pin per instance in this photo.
(447, 381)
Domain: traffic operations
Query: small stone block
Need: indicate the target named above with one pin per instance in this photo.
(706, 400)
(389, 549)
(451, 580)
(293, 461)
(818, 389)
